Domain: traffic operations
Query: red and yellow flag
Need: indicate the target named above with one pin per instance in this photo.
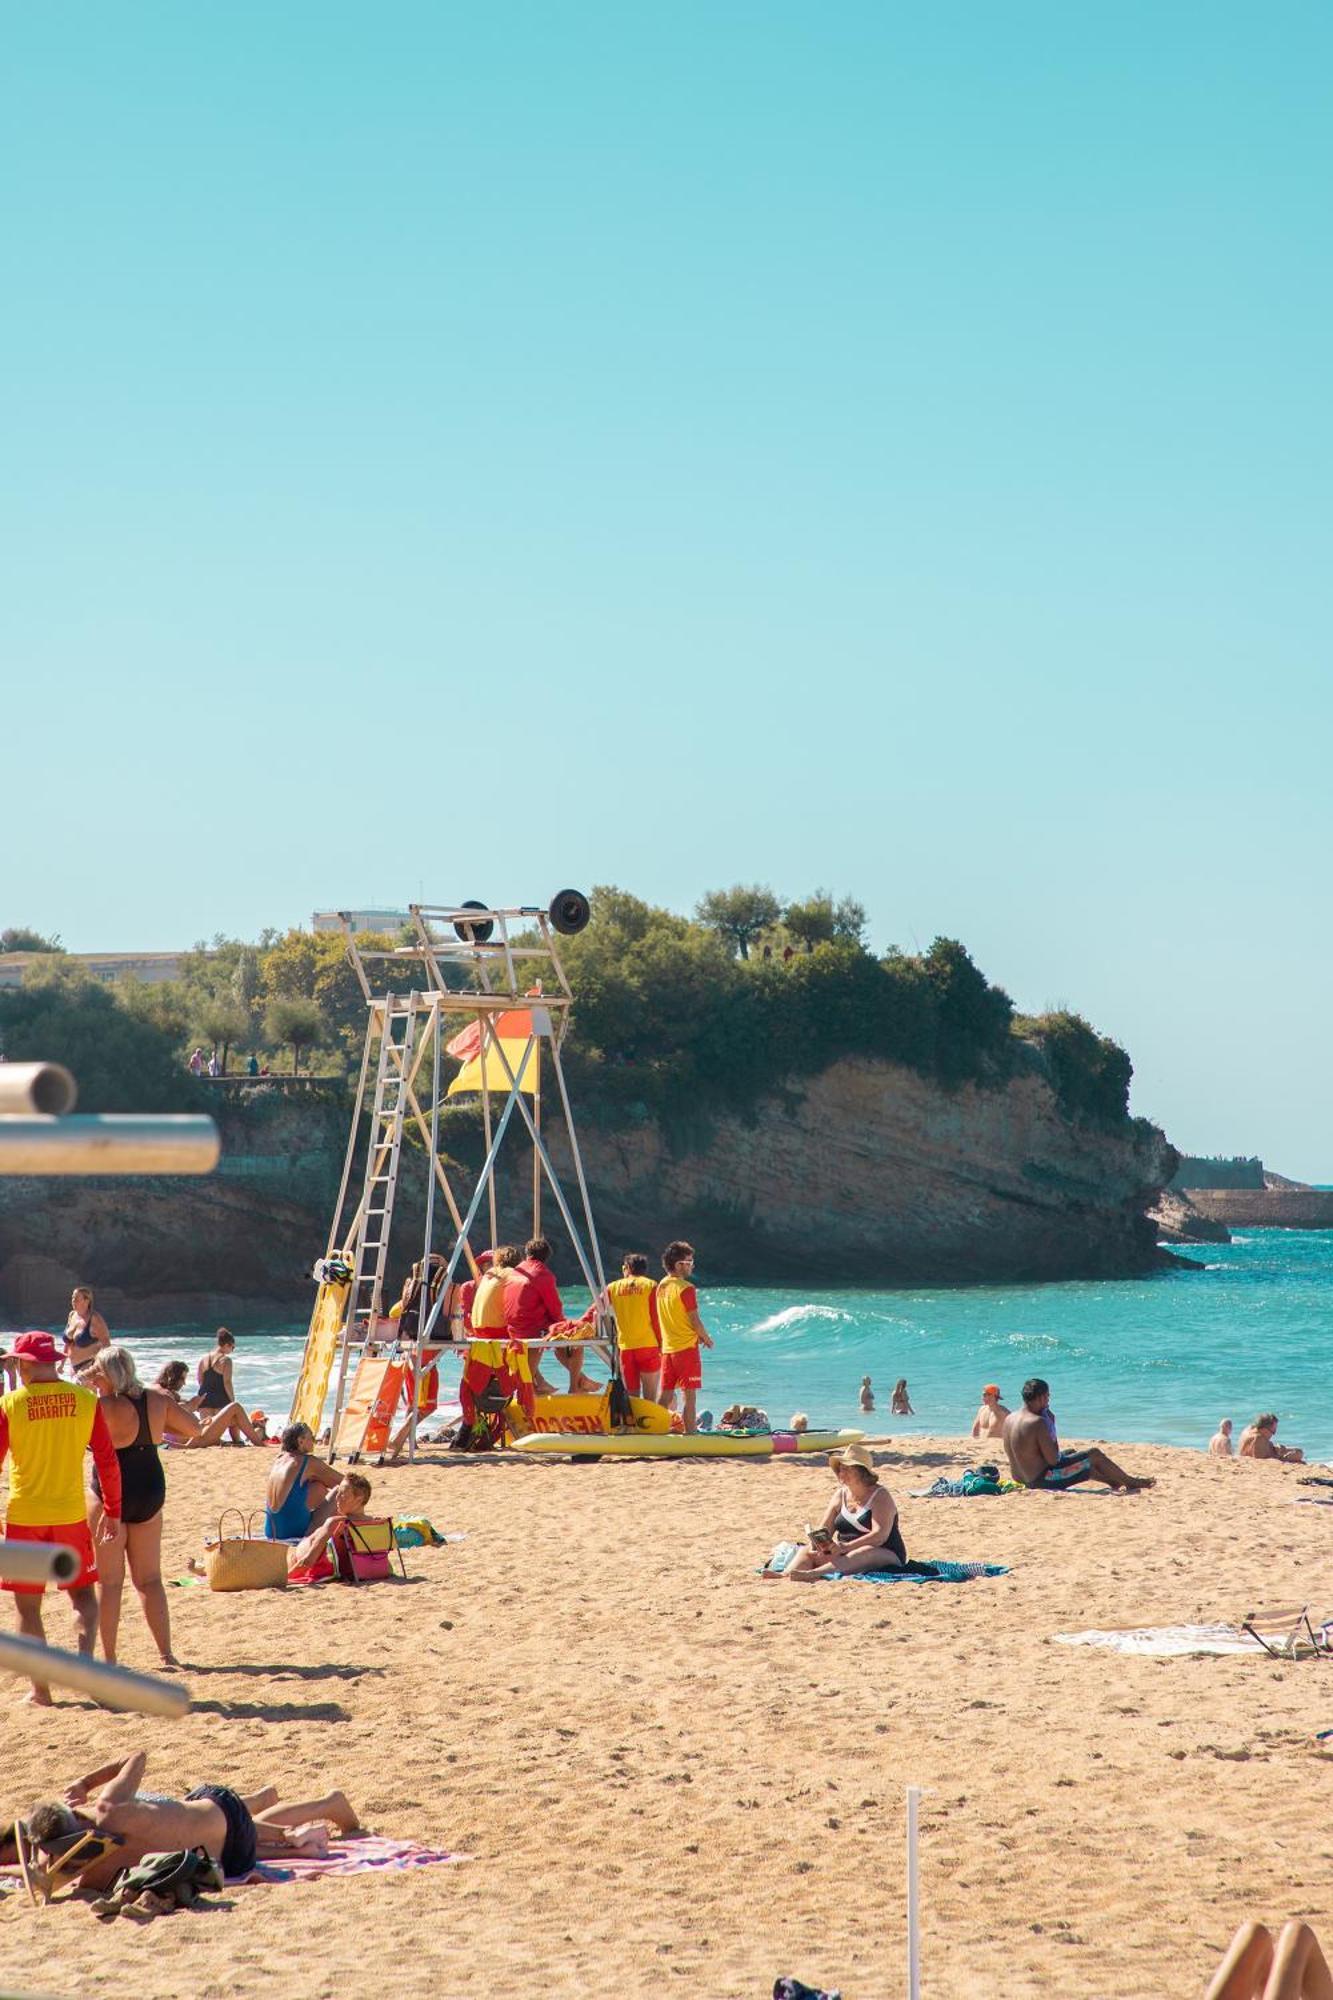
(513, 1031)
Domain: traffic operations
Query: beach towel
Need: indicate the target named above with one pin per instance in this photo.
(359, 1854)
(1166, 1641)
(785, 1554)
(971, 1484)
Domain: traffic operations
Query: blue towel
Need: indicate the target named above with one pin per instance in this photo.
(936, 1572)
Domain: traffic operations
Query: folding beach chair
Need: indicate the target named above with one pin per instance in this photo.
(1286, 1634)
(364, 1551)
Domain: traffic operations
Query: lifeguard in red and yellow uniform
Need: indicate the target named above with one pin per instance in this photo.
(483, 1314)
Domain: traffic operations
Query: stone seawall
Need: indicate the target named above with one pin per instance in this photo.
(1264, 1208)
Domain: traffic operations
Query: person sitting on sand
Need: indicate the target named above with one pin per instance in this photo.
(1035, 1457)
(1219, 1444)
(867, 1395)
(85, 1329)
(309, 1560)
(137, 1419)
(234, 1831)
(1259, 1440)
(216, 1392)
(990, 1418)
(901, 1404)
(299, 1494)
(171, 1380)
(859, 1531)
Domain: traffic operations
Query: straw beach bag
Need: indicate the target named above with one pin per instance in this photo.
(245, 1561)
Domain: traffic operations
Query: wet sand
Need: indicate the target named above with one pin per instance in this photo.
(676, 1776)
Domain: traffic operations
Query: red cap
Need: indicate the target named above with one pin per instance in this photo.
(38, 1347)
(485, 1257)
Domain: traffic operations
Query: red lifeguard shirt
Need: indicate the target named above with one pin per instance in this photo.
(533, 1304)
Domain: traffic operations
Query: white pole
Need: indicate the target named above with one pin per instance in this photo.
(37, 1562)
(913, 1898)
(114, 1687)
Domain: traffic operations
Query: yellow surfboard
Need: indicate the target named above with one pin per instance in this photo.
(321, 1348)
(675, 1444)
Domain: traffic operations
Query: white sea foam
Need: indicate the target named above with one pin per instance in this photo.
(792, 1319)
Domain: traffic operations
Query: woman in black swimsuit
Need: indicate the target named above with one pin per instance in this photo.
(861, 1522)
(137, 1418)
(215, 1389)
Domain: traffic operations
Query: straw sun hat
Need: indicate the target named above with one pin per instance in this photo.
(854, 1454)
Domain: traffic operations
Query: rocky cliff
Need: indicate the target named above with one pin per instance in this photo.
(867, 1174)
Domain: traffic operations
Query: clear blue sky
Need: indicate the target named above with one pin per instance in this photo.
(462, 451)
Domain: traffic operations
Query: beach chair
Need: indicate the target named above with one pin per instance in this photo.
(1286, 1633)
(364, 1552)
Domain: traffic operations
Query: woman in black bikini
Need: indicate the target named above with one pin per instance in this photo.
(137, 1418)
(85, 1329)
(862, 1520)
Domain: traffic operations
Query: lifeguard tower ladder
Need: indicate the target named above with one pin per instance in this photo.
(496, 975)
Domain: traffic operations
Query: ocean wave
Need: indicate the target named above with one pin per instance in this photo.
(792, 1319)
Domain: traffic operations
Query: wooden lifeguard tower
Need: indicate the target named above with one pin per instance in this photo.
(487, 987)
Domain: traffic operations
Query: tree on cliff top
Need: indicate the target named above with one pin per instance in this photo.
(296, 1024)
(120, 1061)
(18, 937)
(739, 914)
(819, 919)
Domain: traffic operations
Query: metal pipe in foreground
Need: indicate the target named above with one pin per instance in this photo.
(37, 1562)
(114, 1687)
(44, 1087)
(171, 1144)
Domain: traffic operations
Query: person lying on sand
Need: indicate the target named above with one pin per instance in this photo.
(1035, 1457)
(990, 1418)
(859, 1531)
(234, 1831)
(1259, 1440)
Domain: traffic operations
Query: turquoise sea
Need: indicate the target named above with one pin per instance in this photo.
(1158, 1359)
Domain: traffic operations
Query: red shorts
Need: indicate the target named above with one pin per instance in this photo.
(635, 1363)
(684, 1370)
(74, 1535)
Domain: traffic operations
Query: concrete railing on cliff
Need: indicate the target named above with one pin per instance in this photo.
(1264, 1208)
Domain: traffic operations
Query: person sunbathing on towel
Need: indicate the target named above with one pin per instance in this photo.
(860, 1529)
(235, 1831)
(1035, 1457)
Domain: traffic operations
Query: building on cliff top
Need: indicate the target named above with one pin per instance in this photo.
(152, 967)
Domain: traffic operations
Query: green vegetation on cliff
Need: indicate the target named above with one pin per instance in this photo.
(673, 1015)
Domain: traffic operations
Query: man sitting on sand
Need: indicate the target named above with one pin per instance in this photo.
(1219, 1444)
(1035, 1457)
(990, 1418)
(234, 1831)
(1259, 1440)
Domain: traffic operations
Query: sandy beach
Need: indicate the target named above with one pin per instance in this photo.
(673, 1774)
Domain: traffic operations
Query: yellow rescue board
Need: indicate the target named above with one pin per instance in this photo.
(675, 1444)
(590, 1416)
(321, 1348)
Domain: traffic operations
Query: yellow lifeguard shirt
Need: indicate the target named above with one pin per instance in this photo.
(488, 1314)
(49, 1426)
(631, 1302)
(676, 1300)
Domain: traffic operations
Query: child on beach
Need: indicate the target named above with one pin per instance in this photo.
(1219, 1444)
